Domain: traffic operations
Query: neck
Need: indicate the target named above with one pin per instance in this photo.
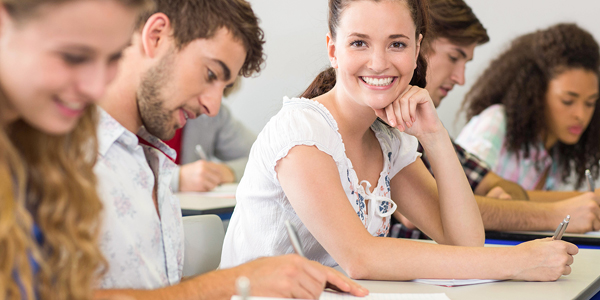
(354, 120)
(549, 141)
(120, 100)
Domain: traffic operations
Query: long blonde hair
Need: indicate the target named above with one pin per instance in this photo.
(49, 180)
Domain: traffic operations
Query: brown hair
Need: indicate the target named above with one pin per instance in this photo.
(49, 180)
(519, 80)
(201, 19)
(455, 21)
(325, 81)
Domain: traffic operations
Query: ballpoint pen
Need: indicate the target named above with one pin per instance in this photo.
(294, 238)
(560, 230)
(590, 180)
(201, 152)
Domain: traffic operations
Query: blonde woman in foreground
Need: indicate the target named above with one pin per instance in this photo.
(56, 58)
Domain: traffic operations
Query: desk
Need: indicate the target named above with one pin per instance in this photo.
(592, 238)
(582, 283)
(220, 201)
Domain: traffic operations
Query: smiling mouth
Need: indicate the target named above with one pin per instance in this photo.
(76, 106)
(377, 81)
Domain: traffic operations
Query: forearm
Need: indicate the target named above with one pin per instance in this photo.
(551, 196)
(212, 285)
(514, 214)
(415, 259)
(461, 219)
(492, 180)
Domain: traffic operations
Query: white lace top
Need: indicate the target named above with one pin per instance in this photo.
(257, 225)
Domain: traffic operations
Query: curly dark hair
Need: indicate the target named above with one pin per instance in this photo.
(519, 80)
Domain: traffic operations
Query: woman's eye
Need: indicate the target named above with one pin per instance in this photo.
(398, 45)
(567, 102)
(453, 59)
(590, 104)
(73, 59)
(358, 44)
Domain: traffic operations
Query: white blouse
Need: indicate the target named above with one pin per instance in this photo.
(257, 225)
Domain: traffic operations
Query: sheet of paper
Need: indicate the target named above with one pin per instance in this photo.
(226, 190)
(454, 282)
(372, 296)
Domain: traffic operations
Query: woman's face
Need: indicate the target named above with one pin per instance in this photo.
(57, 61)
(375, 51)
(570, 102)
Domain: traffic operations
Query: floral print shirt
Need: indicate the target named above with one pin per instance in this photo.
(144, 248)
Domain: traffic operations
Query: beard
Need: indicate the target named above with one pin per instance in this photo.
(155, 117)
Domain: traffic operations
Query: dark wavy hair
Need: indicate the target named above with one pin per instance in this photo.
(325, 81)
(519, 80)
(201, 19)
(455, 21)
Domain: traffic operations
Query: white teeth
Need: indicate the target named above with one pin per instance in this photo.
(71, 105)
(378, 81)
(185, 114)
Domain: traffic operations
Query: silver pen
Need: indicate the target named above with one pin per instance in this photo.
(590, 180)
(560, 230)
(294, 238)
(201, 152)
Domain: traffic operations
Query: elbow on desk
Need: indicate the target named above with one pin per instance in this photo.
(356, 269)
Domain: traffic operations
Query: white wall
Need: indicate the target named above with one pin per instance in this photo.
(295, 32)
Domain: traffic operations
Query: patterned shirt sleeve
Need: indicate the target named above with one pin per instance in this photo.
(475, 168)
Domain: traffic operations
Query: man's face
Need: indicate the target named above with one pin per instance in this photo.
(446, 67)
(189, 82)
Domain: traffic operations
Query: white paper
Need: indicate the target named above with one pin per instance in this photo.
(372, 296)
(454, 282)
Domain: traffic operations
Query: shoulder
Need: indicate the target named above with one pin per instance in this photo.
(300, 122)
(494, 113)
(303, 119)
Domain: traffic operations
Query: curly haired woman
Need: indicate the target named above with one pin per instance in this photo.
(56, 58)
(533, 113)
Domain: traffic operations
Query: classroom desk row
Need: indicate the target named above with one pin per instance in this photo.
(583, 283)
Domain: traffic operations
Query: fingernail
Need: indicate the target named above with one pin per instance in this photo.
(392, 123)
(413, 119)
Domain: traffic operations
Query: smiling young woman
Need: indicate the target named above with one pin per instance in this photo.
(56, 58)
(315, 162)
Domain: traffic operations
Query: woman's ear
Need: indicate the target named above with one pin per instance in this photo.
(331, 51)
(156, 34)
(418, 49)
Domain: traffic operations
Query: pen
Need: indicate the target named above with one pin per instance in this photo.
(294, 239)
(590, 180)
(560, 230)
(242, 285)
(201, 152)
